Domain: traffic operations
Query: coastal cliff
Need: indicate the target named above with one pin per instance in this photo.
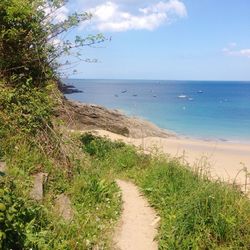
(82, 116)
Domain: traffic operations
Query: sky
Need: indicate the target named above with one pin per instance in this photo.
(165, 39)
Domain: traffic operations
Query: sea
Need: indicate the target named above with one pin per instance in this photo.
(210, 110)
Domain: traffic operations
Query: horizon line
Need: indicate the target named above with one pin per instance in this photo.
(141, 79)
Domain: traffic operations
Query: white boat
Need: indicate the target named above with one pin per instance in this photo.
(182, 96)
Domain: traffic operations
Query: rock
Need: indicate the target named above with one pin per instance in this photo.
(94, 115)
(63, 207)
(38, 183)
(3, 167)
(80, 116)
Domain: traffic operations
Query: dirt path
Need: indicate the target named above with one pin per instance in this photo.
(137, 228)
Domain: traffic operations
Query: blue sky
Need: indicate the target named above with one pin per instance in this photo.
(167, 39)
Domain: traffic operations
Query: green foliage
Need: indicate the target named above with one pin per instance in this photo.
(97, 203)
(94, 197)
(97, 146)
(29, 141)
(19, 221)
(26, 83)
(23, 55)
(25, 109)
(1, 152)
(27, 31)
(196, 213)
(28, 65)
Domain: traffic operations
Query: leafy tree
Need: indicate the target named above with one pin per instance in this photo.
(29, 78)
(28, 30)
(28, 63)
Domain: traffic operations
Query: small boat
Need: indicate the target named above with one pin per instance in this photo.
(124, 91)
(135, 95)
(190, 99)
(154, 96)
(182, 96)
(116, 95)
(199, 91)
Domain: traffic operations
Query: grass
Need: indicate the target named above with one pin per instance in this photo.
(94, 196)
(195, 212)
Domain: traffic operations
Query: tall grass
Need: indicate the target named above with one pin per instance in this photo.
(196, 213)
(94, 197)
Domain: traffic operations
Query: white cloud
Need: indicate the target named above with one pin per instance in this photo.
(245, 52)
(232, 51)
(174, 6)
(109, 16)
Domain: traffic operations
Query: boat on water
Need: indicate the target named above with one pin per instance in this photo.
(190, 99)
(182, 96)
(135, 95)
(124, 91)
(200, 91)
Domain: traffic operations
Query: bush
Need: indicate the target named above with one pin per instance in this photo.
(19, 221)
(98, 146)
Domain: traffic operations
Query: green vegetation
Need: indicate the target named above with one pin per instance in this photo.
(26, 224)
(31, 140)
(195, 212)
(29, 69)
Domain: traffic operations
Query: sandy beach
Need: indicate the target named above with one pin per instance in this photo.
(225, 160)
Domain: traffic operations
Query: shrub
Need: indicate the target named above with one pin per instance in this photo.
(19, 221)
(98, 146)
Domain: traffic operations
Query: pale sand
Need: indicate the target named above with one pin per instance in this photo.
(225, 159)
(138, 226)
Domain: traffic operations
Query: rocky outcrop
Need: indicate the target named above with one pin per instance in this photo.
(63, 207)
(79, 116)
(38, 183)
(3, 168)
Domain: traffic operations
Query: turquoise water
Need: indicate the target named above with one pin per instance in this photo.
(201, 109)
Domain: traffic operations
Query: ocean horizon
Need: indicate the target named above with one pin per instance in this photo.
(210, 110)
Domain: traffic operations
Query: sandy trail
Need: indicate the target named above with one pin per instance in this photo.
(137, 228)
